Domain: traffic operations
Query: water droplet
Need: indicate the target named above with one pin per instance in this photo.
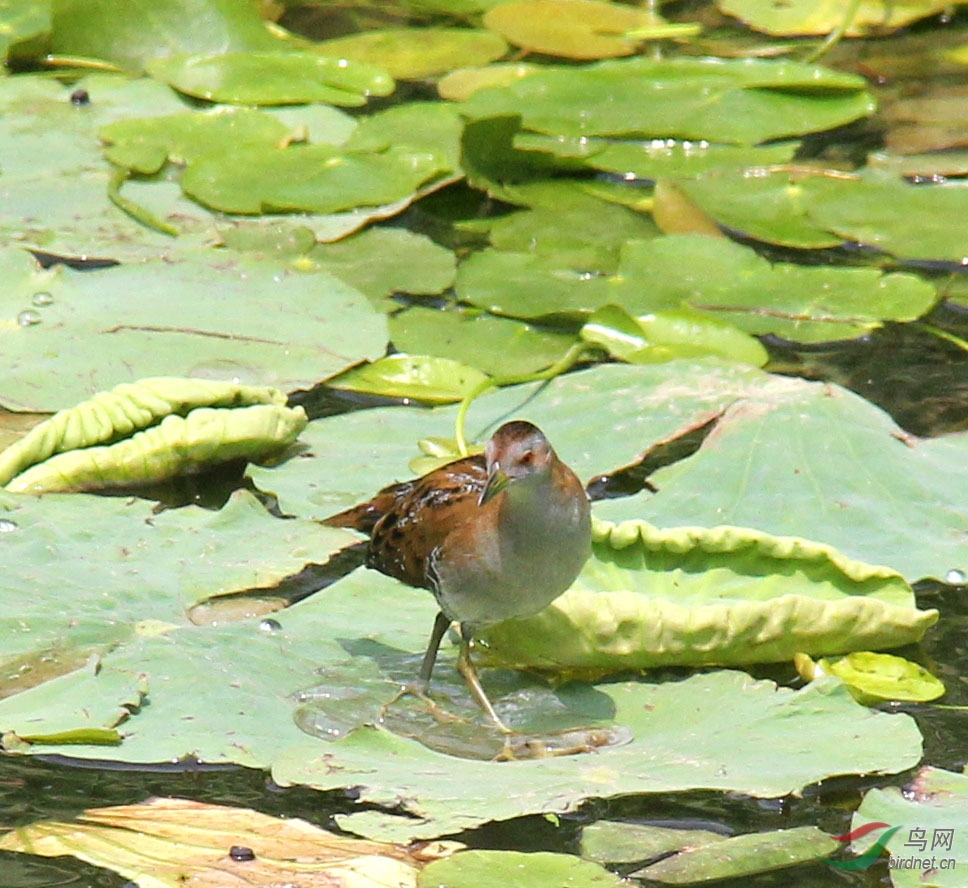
(80, 97)
(8, 526)
(41, 300)
(270, 625)
(955, 577)
(28, 318)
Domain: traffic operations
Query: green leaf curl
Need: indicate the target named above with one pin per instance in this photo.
(725, 596)
(177, 445)
(112, 415)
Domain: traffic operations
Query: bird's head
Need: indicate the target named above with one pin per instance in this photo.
(517, 450)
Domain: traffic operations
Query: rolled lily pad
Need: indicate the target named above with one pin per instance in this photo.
(273, 78)
(176, 446)
(642, 601)
(740, 102)
(460, 84)
(431, 380)
(671, 334)
(128, 408)
(874, 678)
(414, 53)
(574, 29)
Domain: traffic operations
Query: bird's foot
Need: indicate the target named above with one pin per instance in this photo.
(418, 689)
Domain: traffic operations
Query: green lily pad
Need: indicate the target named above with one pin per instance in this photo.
(380, 262)
(307, 178)
(739, 856)
(713, 276)
(610, 841)
(652, 158)
(495, 346)
(931, 812)
(132, 34)
(55, 180)
(168, 317)
(415, 53)
(514, 869)
(800, 17)
(26, 29)
(144, 145)
(272, 78)
(773, 207)
(740, 102)
(643, 600)
(574, 29)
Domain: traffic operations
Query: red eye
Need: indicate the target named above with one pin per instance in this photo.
(527, 458)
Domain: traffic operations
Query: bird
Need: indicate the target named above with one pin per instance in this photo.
(494, 536)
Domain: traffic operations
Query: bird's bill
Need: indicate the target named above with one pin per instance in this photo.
(496, 482)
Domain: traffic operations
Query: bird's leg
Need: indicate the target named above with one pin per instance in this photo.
(466, 668)
(441, 625)
(420, 687)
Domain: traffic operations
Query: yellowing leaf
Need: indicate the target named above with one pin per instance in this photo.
(168, 843)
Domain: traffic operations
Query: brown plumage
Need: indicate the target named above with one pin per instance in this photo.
(494, 537)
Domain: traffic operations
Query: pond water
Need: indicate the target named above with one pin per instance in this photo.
(917, 372)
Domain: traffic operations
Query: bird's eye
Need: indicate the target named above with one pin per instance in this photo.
(526, 458)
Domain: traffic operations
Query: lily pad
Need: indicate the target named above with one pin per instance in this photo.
(514, 869)
(169, 317)
(415, 53)
(738, 856)
(933, 828)
(177, 445)
(713, 276)
(574, 29)
(495, 346)
(272, 78)
(381, 262)
(740, 102)
(132, 34)
(643, 600)
(875, 678)
(163, 842)
(433, 380)
(130, 407)
(307, 178)
(800, 17)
